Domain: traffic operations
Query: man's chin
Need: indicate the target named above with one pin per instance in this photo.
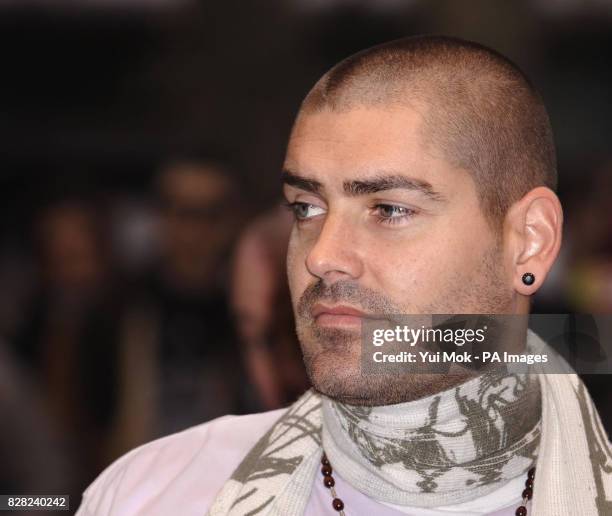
(333, 365)
(335, 373)
(338, 376)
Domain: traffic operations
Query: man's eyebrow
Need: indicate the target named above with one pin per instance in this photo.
(390, 182)
(301, 182)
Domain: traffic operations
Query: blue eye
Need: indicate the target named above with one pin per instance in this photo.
(304, 210)
(392, 214)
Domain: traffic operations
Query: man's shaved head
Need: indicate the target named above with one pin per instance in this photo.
(479, 111)
(420, 174)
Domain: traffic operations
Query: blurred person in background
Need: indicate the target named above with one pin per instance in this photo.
(589, 282)
(35, 458)
(179, 353)
(68, 340)
(262, 308)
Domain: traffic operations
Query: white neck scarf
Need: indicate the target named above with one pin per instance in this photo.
(574, 460)
(452, 447)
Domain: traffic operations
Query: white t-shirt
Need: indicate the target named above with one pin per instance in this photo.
(181, 474)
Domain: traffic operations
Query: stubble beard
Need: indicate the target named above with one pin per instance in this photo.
(332, 356)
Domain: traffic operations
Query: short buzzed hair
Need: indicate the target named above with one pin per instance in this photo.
(480, 112)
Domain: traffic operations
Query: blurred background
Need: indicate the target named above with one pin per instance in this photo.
(142, 247)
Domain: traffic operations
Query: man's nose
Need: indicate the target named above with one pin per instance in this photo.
(335, 254)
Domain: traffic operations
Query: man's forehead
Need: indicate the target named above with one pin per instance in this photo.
(364, 143)
(369, 124)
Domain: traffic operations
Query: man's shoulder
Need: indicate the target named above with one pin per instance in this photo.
(184, 470)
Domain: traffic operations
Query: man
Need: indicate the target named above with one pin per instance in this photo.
(421, 175)
(178, 343)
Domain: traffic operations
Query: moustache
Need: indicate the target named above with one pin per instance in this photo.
(366, 299)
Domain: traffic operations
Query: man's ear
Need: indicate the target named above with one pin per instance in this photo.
(534, 227)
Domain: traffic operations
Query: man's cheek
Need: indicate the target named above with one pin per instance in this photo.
(411, 278)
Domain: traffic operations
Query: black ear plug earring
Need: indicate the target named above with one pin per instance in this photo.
(528, 278)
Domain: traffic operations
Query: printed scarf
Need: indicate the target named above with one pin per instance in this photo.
(473, 434)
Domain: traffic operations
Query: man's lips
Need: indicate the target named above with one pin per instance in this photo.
(336, 310)
(338, 315)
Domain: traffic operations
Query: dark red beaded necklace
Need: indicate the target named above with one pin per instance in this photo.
(338, 504)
